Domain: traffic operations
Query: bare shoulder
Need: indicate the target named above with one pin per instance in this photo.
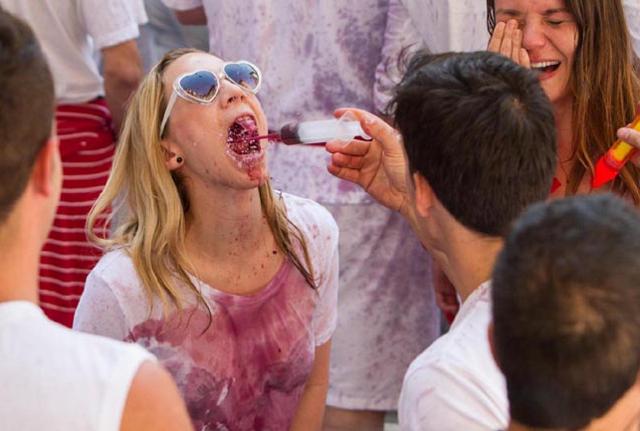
(154, 402)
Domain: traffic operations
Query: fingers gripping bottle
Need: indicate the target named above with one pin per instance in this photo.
(609, 165)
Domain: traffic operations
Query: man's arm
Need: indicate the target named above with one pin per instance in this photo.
(122, 69)
(154, 403)
(311, 408)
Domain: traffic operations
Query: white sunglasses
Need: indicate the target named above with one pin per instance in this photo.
(202, 86)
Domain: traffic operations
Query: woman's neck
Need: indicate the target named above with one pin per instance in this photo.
(224, 222)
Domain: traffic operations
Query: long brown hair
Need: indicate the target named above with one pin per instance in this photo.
(154, 230)
(605, 86)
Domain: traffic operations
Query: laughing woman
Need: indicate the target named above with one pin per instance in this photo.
(590, 76)
(233, 288)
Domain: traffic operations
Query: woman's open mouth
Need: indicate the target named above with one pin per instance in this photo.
(242, 132)
(545, 68)
(242, 146)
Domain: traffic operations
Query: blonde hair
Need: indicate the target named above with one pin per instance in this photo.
(154, 230)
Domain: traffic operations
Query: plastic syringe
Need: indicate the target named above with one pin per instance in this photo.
(317, 132)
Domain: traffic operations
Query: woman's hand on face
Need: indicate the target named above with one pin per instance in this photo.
(507, 40)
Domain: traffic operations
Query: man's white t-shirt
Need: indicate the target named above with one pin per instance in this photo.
(53, 378)
(70, 31)
(455, 384)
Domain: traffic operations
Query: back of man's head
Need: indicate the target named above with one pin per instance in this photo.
(566, 310)
(481, 131)
(26, 107)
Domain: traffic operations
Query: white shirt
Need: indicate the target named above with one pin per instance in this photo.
(435, 25)
(52, 378)
(70, 31)
(632, 12)
(450, 25)
(251, 362)
(455, 384)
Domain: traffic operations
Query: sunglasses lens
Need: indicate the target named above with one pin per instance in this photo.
(243, 74)
(201, 85)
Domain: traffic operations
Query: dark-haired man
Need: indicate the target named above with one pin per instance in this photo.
(566, 316)
(53, 378)
(479, 137)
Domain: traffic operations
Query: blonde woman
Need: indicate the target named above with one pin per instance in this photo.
(233, 288)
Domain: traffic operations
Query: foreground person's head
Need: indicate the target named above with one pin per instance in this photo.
(30, 170)
(566, 312)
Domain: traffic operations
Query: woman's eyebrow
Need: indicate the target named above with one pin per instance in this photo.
(515, 12)
(510, 12)
(555, 11)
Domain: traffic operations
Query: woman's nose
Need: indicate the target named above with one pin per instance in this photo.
(533, 36)
(230, 92)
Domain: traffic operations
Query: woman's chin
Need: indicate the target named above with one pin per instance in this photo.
(258, 175)
(246, 161)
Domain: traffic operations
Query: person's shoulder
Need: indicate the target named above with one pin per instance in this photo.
(93, 351)
(437, 385)
(432, 364)
(423, 397)
(46, 359)
(114, 264)
(457, 369)
(97, 344)
(441, 364)
(154, 402)
(310, 217)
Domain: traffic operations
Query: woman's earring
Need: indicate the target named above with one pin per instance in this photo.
(179, 159)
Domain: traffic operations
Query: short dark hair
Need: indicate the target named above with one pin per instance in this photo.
(566, 310)
(26, 107)
(480, 129)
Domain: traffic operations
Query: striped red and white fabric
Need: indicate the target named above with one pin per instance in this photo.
(87, 148)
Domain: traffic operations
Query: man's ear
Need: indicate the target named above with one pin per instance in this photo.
(47, 168)
(492, 344)
(172, 157)
(424, 194)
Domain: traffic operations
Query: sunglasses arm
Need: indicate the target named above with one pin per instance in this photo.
(167, 111)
